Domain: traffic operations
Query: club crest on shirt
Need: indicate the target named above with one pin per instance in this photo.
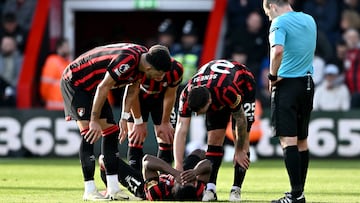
(123, 68)
(80, 111)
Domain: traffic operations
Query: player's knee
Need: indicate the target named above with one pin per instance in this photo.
(199, 153)
(145, 160)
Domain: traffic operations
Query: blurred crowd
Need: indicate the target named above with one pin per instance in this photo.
(336, 64)
(16, 19)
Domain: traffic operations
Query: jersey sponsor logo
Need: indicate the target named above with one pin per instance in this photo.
(80, 111)
(123, 68)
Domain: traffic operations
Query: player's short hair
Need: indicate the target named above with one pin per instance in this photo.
(159, 57)
(198, 98)
(185, 193)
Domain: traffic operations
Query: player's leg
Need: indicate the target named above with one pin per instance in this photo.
(239, 177)
(214, 153)
(135, 150)
(239, 172)
(194, 158)
(77, 107)
(128, 177)
(109, 148)
(216, 123)
(165, 148)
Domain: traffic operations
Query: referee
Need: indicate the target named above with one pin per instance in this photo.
(292, 38)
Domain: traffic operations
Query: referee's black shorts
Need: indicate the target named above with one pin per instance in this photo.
(78, 104)
(291, 105)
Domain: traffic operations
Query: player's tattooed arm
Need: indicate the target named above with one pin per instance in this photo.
(240, 128)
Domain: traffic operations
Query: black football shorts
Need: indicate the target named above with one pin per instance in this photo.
(291, 106)
(78, 104)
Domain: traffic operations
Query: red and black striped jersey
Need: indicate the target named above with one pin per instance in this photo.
(160, 189)
(228, 82)
(120, 60)
(172, 78)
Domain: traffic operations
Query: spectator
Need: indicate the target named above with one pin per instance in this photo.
(10, 27)
(352, 66)
(238, 10)
(188, 51)
(52, 71)
(349, 19)
(253, 39)
(24, 10)
(297, 5)
(340, 55)
(319, 65)
(7, 96)
(239, 54)
(331, 95)
(10, 64)
(324, 48)
(326, 15)
(262, 93)
(167, 34)
(352, 5)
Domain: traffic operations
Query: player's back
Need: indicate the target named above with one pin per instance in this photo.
(220, 73)
(89, 68)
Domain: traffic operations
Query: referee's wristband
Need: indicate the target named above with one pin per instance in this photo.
(125, 115)
(138, 121)
(272, 77)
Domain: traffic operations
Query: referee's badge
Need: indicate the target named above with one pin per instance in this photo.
(81, 111)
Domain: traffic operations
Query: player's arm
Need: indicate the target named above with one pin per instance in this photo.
(130, 94)
(101, 94)
(201, 172)
(241, 138)
(169, 101)
(153, 165)
(166, 131)
(182, 128)
(138, 128)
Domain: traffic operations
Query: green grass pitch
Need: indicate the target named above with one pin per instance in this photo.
(60, 180)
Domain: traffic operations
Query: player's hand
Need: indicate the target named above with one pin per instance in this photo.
(166, 132)
(188, 176)
(177, 176)
(94, 132)
(138, 134)
(242, 159)
(123, 130)
(272, 83)
(178, 166)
